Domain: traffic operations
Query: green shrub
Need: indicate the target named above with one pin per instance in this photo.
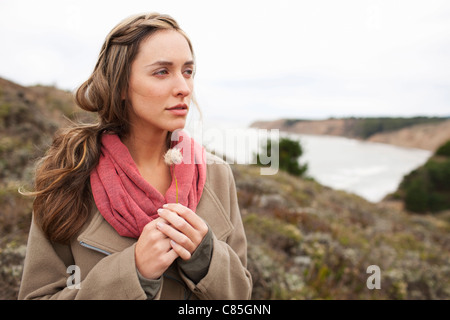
(439, 174)
(289, 152)
(444, 150)
(416, 193)
(427, 189)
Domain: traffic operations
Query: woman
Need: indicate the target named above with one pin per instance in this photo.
(107, 223)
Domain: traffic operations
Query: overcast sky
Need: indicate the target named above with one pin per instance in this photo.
(257, 59)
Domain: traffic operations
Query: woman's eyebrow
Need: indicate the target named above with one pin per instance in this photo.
(168, 63)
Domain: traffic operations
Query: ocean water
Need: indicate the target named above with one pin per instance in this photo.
(371, 170)
(368, 169)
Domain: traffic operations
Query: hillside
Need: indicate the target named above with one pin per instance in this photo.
(29, 116)
(419, 132)
(306, 241)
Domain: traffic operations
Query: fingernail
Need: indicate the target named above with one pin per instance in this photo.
(165, 205)
(159, 210)
(159, 225)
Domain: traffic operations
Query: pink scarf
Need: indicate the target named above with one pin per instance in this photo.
(127, 201)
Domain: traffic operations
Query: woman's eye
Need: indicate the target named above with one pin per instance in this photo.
(160, 73)
(188, 72)
(164, 72)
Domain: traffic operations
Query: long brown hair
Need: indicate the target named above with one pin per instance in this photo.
(63, 198)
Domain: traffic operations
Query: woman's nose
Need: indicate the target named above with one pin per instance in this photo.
(182, 86)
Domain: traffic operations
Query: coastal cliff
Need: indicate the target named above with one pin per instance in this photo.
(420, 132)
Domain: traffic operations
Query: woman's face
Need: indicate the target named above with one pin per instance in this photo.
(161, 83)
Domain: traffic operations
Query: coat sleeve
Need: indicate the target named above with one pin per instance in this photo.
(227, 276)
(46, 273)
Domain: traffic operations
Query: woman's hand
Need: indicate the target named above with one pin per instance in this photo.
(153, 252)
(183, 226)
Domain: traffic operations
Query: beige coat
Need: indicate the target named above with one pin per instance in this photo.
(105, 261)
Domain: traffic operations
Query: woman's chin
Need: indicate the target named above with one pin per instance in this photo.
(177, 125)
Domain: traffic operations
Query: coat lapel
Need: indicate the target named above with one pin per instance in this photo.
(211, 210)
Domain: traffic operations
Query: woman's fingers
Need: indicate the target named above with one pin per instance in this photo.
(177, 236)
(187, 214)
(154, 252)
(184, 226)
(180, 250)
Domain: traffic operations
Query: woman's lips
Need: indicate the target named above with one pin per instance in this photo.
(179, 110)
